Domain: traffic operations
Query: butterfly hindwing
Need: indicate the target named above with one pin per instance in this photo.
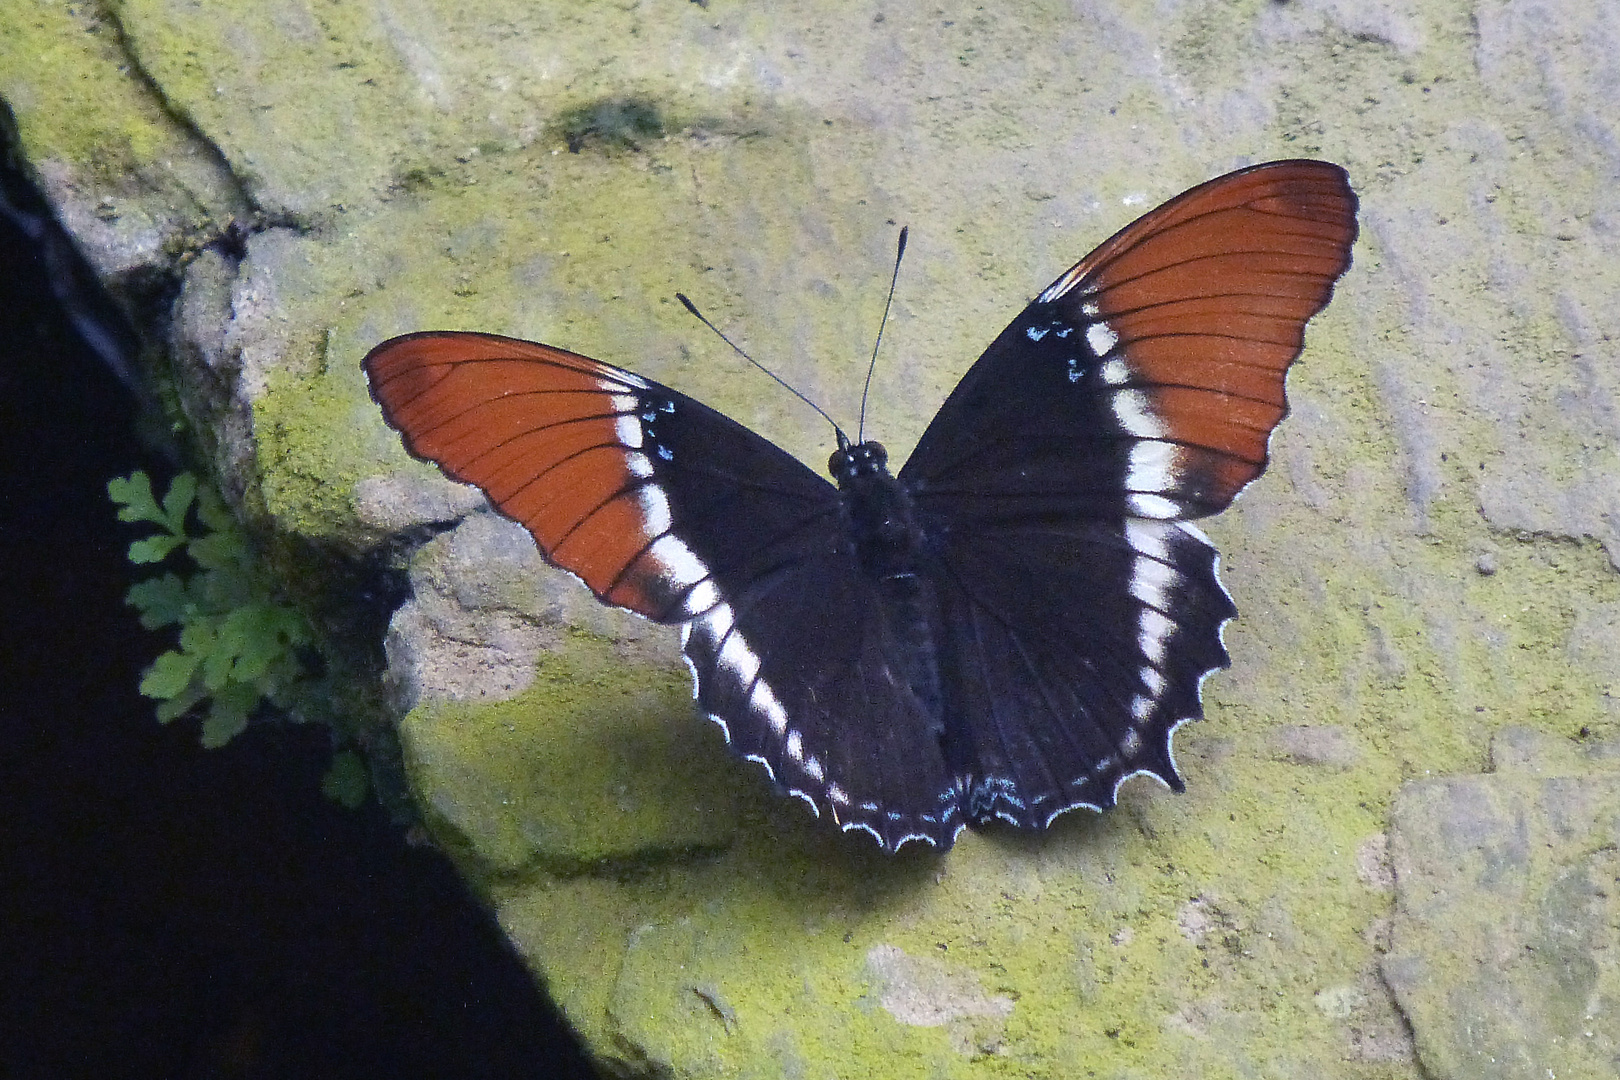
(800, 665)
(1066, 683)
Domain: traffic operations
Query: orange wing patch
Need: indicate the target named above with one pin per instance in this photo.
(553, 438)
(1205, 301)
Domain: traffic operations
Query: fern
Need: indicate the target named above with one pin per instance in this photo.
(239, 644)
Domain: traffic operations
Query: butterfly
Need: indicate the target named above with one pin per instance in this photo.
(1005, 629)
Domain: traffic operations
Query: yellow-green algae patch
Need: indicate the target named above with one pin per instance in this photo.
(129, 181)
(63, 74)
(325, 108)
(315, 441)
(1083, 931)
(764, 954)
(590, 262)
(597, 761)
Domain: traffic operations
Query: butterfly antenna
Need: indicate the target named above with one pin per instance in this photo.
(860, 431)
(843, 440)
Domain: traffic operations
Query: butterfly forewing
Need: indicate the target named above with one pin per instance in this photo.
(1177, 332)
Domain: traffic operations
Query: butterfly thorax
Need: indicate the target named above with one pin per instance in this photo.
(881, 520)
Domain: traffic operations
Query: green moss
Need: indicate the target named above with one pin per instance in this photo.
(313, 447)
(598, 765)
(61, 71)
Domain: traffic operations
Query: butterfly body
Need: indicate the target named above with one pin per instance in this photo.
(891, 550)
(1015, 621)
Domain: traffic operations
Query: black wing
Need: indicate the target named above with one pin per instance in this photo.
(1081, 611)
(665, 507)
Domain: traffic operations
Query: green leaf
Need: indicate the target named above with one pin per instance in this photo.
(346, 782)
(154, 548)
(179, 706)
(212, 512)
(182, 489)
(222, 550)
(197, 634)
(160, 601)
(259, 637)
(218, 667)
(168, 675)
(287, 624)
(242, 636)
(222, 724)
(133, 494)
(199, 637)
(236, 643)
(216, 592)
(228, 715)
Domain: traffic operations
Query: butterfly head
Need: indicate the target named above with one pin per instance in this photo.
(851, 461)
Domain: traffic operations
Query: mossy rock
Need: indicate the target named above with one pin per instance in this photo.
(1430, 559)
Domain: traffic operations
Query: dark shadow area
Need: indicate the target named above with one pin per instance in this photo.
(167, 911)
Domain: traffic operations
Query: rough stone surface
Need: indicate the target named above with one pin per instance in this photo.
(924, 992)
(393, 504)
(1430, 560)
(1331, 746)
(1505, 947)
